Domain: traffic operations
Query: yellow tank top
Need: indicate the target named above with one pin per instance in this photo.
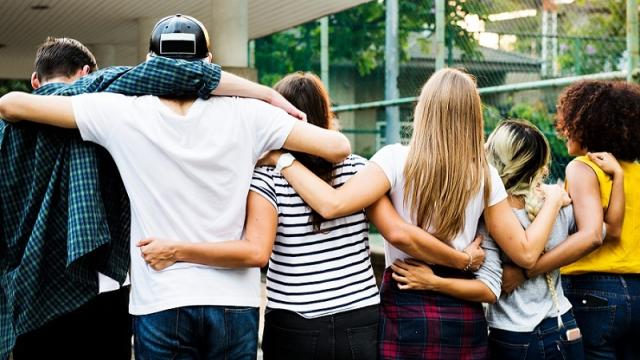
(620, 257)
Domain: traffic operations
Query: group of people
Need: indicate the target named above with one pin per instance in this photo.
(221, 186)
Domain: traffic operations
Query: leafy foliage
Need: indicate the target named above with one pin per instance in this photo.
(357, 36)
(14, 85)
(596, 44)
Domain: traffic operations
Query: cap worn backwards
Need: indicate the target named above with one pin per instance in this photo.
(179, 37)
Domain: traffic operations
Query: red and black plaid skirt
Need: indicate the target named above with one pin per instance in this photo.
(429, 325)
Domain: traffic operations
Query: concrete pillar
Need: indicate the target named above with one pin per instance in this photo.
(145, 25)
(106, 54)
(229, 32)
(229, 35)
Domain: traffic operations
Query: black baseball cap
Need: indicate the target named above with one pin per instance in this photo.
(179, 37)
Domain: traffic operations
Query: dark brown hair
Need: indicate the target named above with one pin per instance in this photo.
(306, 92)
(602, 116)
(62, 57)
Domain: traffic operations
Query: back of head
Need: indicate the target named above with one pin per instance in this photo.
(179, 37)
(62, 57)
(521, 154)
(306, 92)
(446, 162)
(602, 116)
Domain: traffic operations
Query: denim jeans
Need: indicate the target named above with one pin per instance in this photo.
(197, 332)
(350, 335)
(545, 342)
(607, 310)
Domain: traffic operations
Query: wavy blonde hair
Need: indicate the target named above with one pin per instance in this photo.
(446, 164)
(521, 154)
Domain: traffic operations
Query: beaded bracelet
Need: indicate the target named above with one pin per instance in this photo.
(468, 267)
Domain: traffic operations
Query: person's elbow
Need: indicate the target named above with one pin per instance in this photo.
(331, 209)
(339, 149)
(489, 297)
(527, 260)
(259, 257)
(596, 238)
(397, 236)
(6, 109)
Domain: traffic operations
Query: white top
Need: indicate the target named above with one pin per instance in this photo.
(532, 301)
(316, 273)
(392, 159)
(187, 178)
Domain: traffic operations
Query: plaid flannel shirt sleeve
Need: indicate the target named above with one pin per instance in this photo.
(158, 76)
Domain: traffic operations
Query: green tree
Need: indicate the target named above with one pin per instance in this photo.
(357, 37)
(594, 37)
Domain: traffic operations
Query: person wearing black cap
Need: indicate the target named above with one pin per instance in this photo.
(100, 325)
(186, 165)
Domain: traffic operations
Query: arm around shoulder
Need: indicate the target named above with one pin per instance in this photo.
(49, 110)
(330, 145)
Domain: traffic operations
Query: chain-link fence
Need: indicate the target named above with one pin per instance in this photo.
(503, 43)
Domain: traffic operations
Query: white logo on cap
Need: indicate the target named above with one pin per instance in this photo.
(184, 39)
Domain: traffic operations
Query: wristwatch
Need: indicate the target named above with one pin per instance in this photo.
(284, 162)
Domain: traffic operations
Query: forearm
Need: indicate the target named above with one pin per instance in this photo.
(232, 254)
(614, 216)
(427, 248)
(360, 191)
(231, 84)
(328, 144)
(572, 249)
(471, 290)
(49, 110)
(320, 196)
(411, 239)
(537, 234)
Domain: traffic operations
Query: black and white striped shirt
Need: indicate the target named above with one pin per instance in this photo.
(316, 273)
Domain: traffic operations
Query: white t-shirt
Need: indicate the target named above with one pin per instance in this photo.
(392, 159)
(187, 178)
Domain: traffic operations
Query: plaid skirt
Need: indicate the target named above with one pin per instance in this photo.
(429, 325)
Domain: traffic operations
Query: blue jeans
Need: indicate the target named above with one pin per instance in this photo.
(546, 341)
(197, 332)
(607, 309)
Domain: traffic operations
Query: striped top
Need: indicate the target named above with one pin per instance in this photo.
(316, 273)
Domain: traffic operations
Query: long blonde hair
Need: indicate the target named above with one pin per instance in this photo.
(521, 154)
(446, 164)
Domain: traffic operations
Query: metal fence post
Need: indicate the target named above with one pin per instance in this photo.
(392, 133)
(440, 33)
(324, 51)
(632, 41)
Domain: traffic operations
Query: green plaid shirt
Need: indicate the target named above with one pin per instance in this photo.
(65, 213)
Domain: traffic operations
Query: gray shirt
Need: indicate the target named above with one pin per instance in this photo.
(531, 302)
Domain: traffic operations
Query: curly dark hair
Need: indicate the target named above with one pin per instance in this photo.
(602, 116)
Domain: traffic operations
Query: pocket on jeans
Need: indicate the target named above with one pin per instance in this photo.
(571, 349)
(284, 344)
(362, 341)
(595, 321)
(502, 350)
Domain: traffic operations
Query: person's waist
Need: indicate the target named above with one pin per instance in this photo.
(547, 325)
(590, 276)
(603, 282)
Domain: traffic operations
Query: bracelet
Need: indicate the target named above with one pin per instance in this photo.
(468, 267)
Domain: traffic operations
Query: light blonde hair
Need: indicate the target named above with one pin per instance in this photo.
(446, 164)
(521, 154)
